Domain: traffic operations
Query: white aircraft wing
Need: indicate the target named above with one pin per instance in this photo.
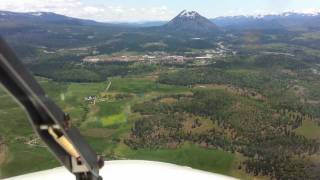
(130, 169)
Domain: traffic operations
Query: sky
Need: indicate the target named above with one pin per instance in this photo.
(154, 10)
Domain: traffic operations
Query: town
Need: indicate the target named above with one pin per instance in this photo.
(159, 57)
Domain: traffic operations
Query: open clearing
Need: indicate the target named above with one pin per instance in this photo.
(309, 129)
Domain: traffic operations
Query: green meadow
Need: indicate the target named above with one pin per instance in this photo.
(106, 122)
(189, 155)
(309, 129)
(109, 117)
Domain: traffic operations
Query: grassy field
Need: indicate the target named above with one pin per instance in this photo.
(309, 36)
(20, 158)
(110, 119)
(309, 129)
(24, 159)
(114, 112)
(114, 119)
(188, 155)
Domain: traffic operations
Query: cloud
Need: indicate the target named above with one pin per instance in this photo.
(307, 11)
(76, 8)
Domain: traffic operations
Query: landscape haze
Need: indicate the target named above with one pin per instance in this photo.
(234, 95)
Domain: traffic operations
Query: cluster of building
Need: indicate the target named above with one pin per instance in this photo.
(152, 58)
(164, 57)
(94, 59)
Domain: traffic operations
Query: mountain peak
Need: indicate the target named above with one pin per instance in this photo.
(188, 14)
(191, 22)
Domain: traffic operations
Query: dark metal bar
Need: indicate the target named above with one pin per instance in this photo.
(19, 82)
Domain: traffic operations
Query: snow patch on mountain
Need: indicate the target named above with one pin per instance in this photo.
(310, 12)
(304, 12)
(188, 14)
(36, 14)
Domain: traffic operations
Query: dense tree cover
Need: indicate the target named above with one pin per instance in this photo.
(144, 42)
(251, 72)
(279, 78)
(76, 75)
(240, 77)
(263, 129)
(253, 128)
(71, 69)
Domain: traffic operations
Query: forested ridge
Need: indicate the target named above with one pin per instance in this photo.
(254, 108)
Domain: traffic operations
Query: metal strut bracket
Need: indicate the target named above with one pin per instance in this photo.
(51, 124)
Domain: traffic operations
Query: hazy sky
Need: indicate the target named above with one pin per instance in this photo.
(144, 10)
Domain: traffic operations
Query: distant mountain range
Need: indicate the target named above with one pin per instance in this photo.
(43, 17)
(288, 20)
(185, 20)
(27, 32)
